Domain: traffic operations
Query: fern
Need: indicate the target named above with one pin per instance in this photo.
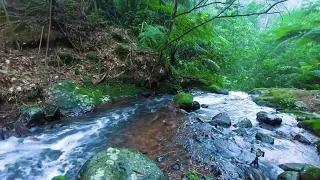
(152, 37)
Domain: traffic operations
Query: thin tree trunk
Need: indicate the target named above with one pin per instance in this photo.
(40, 43)
(173, 49)
(49, 31)
(9, 24)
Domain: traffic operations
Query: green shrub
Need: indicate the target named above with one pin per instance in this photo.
(67, 57)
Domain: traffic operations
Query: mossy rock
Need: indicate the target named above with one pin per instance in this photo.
(302, 114)
(73, 99)
(276, 98)
(59, 178)
(31, 115)
(184, 101)
(120, 164)
(289, 175)
(310, 173)
(311, 125)
(193, 175)
(213, 88)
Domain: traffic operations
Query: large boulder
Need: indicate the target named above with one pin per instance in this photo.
(267, 118)
(246, 123)
(289, 175)
(293, 166)
(309, 173)
(217, 89)
(74, 100)
(264, 138)
(120, 164)
(221, 119)
(59, 178)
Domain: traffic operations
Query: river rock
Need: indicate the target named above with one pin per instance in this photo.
(264, 138)
(246, 123)
(289, 175)
(204, 106)
(184, 101)
(318, 146)
(120, 164)
(293, 166)
(74, 100)
(270, 119)
(52, 112)
(195, 105)
(310, 173)
(2, 135)
(221, 119)
(21, 131)
(302, 139)
(31, 115)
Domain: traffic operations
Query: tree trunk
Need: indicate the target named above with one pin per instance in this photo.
(173, 49)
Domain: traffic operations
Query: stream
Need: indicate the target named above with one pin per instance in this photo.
(61, 149)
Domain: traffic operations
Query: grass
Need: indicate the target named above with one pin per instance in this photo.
(279, 97)
(302, 114)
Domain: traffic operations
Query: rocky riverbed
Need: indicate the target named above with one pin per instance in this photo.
(178, 142)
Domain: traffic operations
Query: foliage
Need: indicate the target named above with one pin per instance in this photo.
(312, 125)
(286, 54)
(67, 57)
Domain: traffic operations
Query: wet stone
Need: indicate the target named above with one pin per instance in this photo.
(302, 139)
(264, 138)
(204, 106)
(293, 166)
(176, 167)
(289, 175)
(160, 159)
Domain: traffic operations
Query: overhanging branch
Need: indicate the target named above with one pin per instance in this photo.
(218, 16)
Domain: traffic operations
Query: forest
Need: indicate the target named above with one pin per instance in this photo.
(61, 59)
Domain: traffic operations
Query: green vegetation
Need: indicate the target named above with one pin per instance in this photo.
(304, 114)
(310, 173)
(283, 98)
(183, 99)
(193, 175)
(311, 125)
(67, 57)
(59, 178)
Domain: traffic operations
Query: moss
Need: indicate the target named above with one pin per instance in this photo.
(302, 114)
(30, 108)
(310, 173)
(193, 175)
(283, 98)
(311, 125)
(59, 178)
(115, 89)
(183, 99)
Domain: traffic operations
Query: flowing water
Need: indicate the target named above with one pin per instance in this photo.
(62, 149)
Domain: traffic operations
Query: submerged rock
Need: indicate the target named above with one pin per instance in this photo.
(264, 138)
(246, 123)
(309, 173)
(120, 164)
(293, 166)
(204, 106)
(221, 119)
(21, 131)
(74, 99)
(302, 139)
(267, 118)
(289, 175)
